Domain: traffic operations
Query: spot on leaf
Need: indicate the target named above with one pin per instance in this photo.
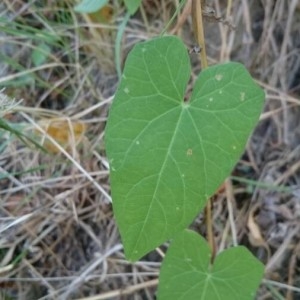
(243, 95)
(189, 152)
(219, 77)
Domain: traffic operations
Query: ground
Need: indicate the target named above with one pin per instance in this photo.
(58, 237)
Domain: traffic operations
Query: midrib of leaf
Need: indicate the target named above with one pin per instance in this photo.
(168, 153)
(183, 106)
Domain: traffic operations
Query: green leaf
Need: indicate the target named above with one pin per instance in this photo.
(132, 5)
(40, 54)
(167, 156)
(186, 272)
(90, 6)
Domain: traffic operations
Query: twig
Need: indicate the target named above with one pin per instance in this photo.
(199, 31)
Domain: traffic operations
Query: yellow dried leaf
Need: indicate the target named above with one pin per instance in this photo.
(104, 15)
(68, 134)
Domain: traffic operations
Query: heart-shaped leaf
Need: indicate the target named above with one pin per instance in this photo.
(167, 156)
(187, 273)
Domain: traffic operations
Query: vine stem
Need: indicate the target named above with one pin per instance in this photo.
(197, 18)
(209, 229)
(198, 29)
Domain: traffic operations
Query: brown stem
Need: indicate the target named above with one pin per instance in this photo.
(198, 30)
(209, 229)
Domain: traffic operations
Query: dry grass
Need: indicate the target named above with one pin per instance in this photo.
(58, 239)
